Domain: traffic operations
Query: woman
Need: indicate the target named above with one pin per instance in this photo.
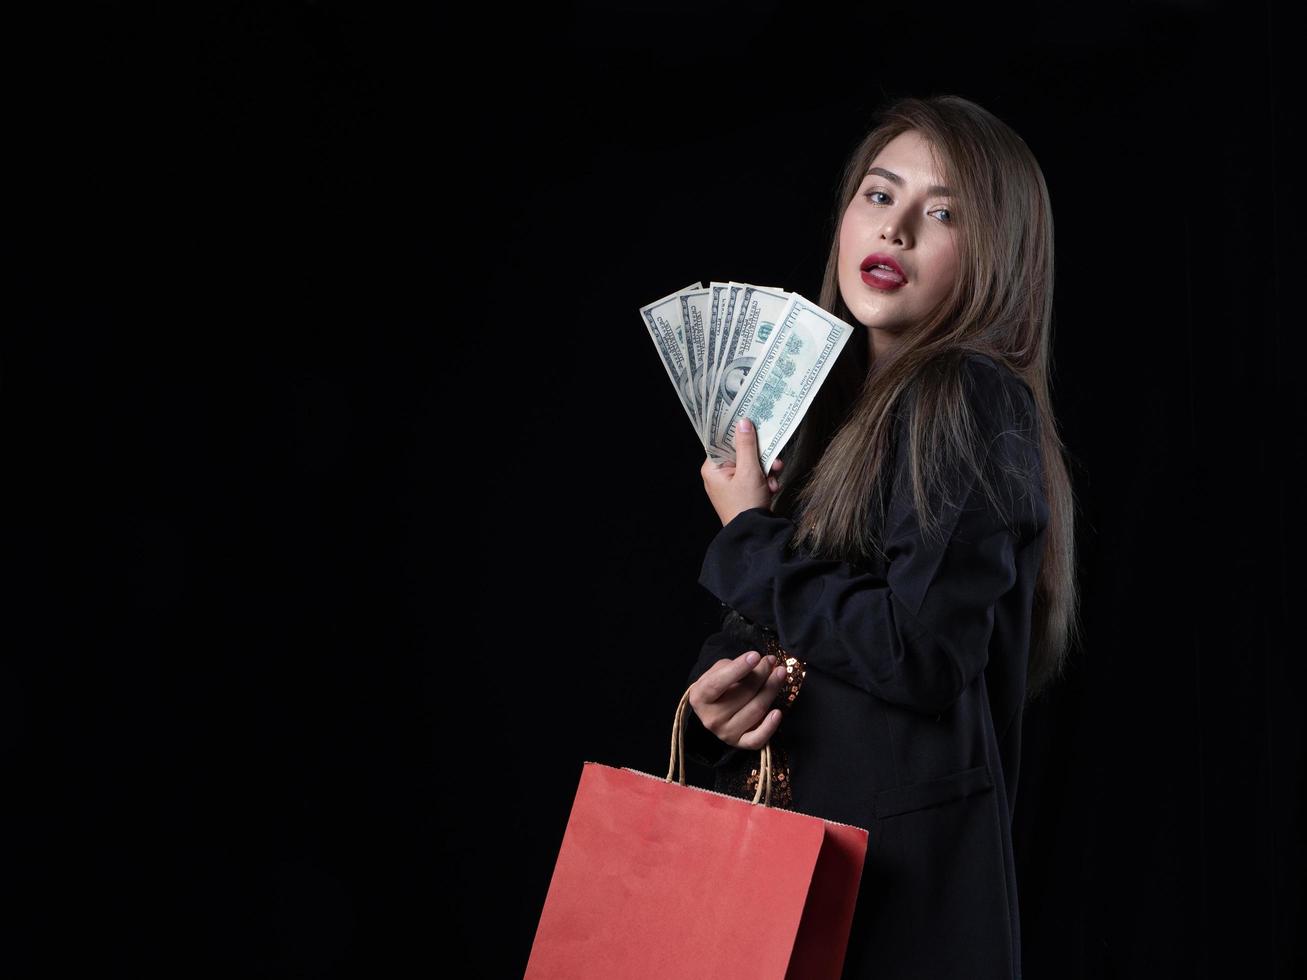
(912, 558)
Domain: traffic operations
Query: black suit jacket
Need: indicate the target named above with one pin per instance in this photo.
(909, 719)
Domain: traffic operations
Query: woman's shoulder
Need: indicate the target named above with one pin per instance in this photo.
(989, 367)
(1006, 418)
(998, 390)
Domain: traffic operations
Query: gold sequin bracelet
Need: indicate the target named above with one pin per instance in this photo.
(781, 791)
(795, 671)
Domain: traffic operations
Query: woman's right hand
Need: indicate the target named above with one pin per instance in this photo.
(732, 699)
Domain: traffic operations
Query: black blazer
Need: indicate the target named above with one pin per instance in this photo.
(909, 719)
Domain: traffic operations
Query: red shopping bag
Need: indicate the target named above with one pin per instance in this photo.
(657, 879)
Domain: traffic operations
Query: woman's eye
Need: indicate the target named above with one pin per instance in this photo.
(870, 194)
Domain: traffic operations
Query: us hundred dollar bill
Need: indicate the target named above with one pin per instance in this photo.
(734, 350)
(664, 320)
(754, 312)
(786, 375)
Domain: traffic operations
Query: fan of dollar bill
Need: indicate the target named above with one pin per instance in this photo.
(734, 351)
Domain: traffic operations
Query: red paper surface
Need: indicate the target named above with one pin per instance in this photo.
(659, 880)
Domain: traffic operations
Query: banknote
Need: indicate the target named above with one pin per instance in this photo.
(753, 313)
(734, 350)
(664, 320)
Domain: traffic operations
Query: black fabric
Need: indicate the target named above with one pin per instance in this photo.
(736, 636)
(909, 719)
(701, 745)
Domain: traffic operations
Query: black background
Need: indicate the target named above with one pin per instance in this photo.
(352, 510)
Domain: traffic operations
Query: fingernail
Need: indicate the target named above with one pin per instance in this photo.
(771, 658)
(746, 425)
(752, 659)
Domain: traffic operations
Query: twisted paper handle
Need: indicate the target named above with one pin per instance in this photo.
(678, 754)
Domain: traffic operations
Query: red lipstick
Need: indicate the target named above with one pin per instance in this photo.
(874, 274)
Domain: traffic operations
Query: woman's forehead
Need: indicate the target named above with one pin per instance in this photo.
(909, 159)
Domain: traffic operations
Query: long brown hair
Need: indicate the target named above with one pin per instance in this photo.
(1001, 305)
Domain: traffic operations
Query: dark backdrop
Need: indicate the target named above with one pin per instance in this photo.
(352, 510)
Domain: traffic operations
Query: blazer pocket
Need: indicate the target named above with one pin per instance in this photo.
(933, 792)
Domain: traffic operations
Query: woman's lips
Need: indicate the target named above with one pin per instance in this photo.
(879, 278)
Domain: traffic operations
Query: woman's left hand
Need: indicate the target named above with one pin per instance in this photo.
(736, 487)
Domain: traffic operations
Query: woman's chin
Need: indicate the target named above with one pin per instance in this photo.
(877, 320)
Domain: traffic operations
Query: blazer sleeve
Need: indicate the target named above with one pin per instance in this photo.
(918, 633)
(701, 745)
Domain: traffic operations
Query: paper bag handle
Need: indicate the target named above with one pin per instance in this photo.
(678, 754)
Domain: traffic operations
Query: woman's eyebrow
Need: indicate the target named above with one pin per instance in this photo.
(935, 190)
